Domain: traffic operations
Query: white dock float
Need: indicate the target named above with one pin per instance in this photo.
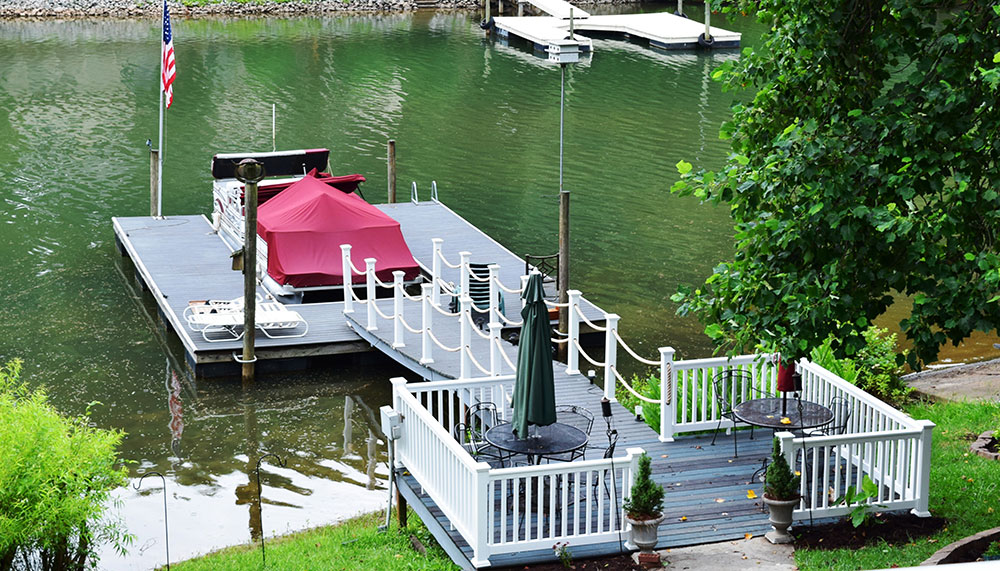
(558, 8)
(661, 29)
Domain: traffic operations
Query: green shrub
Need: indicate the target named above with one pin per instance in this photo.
(779, 482)
(56, 474)
(646, 499)
(873, 368)
(648, 386)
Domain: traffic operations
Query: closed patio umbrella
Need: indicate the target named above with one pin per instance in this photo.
(534, 399)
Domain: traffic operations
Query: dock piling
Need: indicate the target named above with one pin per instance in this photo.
(249, 172)
(154, 176)
(392, 170)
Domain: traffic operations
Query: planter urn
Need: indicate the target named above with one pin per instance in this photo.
(644, 532)
(780, 516)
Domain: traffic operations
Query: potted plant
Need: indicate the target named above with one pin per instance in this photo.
(781, 494)
(644, 507)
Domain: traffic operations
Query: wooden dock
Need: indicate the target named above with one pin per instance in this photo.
(180, 259)
(661, 29)
(706, 487)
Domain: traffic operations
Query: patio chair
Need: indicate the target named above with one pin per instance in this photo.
(479, 293)
(727, 387)
(578, 417)
(841, 417)
(479, 418)
(222, 320)
(279, 322)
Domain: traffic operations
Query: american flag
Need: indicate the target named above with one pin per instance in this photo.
(167, 71)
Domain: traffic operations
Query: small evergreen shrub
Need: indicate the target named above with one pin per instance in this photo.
(779, 482)
(646, 501)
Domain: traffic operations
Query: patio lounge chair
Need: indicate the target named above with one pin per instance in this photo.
(222, 320)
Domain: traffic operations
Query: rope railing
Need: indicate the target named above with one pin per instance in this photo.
(440, 344)
(506, 289)
(628, 349)
(473, 275)
(447, 263)
(589, 323)
(503, 354)
(382, 315)
(356, 297)
(407, 326)
(580, 350)
(356, 269)
(477, 331)
(555, 304)
(559, 341)
(477, 310)
(445, 312)
(510, 322)
(631, 390)
(380, 283)
(472, 358)
(410, 297)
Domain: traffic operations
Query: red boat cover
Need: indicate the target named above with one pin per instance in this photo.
(305, 224)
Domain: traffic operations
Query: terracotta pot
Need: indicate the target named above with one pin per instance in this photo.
(644, 532)
(780, 516)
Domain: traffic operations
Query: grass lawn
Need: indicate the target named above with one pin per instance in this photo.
(353, 544)
(964, 489)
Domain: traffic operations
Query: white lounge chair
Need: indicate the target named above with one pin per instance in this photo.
(222, 320)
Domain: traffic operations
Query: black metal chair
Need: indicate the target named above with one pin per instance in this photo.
(841, 418)
(548, 266)
(576, 416)
(728, 387)
(479, 418)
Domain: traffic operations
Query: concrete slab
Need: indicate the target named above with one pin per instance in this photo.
(755, 553)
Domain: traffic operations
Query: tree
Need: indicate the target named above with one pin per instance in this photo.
(865, 166)
(56, 475)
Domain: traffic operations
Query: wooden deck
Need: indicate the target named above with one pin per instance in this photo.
(179, 260)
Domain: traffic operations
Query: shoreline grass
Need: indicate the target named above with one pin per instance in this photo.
(964, 490)
(352, 544)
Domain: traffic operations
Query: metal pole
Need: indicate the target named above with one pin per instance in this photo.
(274, 117)
(154, 181)
(392, 170)
(159, 145)
(563, 217)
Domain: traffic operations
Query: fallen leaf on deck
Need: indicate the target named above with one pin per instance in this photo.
(751, 495)
(684, 518)
(719, 500)
(747, 535)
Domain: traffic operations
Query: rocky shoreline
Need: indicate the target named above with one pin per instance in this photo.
(58, 9)
(32, 9)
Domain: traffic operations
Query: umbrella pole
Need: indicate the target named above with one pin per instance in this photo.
(784, 403)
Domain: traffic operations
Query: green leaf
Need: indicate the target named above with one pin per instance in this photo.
(714, 331)
(815, 208)
(684, 167)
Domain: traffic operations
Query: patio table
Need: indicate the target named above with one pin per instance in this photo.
(766, 412)
(554, 439)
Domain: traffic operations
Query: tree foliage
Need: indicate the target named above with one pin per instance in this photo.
(56, 475)
(864, 166)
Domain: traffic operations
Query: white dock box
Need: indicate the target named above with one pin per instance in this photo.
(564, 51)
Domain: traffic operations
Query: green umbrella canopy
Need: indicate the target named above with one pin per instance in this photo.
(534, 388)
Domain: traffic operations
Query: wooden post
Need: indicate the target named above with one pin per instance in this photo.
(154, 174)
(249, 281)
(392, 170)
(708, 21)
(400, 507)
(249, 172)
(487, 2)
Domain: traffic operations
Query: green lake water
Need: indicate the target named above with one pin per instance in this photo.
(78, 101)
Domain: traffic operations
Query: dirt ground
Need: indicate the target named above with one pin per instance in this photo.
(973, 381)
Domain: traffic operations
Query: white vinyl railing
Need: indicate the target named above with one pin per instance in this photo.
(504, 510)
(687, 397)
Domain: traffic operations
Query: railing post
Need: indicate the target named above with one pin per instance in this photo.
(427, 344)
(632, 458)
(572, 352)
(668, 402)
(480, 544)
(436, 270)
(610, 357)
(464, 271)
(495, 349)
(465, 322)
(370, 293)
(397, 309)
(398, 388)
(524, 285)
(494, 290)
(923, 484)
(345, 256)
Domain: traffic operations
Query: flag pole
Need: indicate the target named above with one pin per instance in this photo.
(159, 169)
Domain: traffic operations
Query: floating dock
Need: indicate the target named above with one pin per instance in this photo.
(661, 29)
(180, 259)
